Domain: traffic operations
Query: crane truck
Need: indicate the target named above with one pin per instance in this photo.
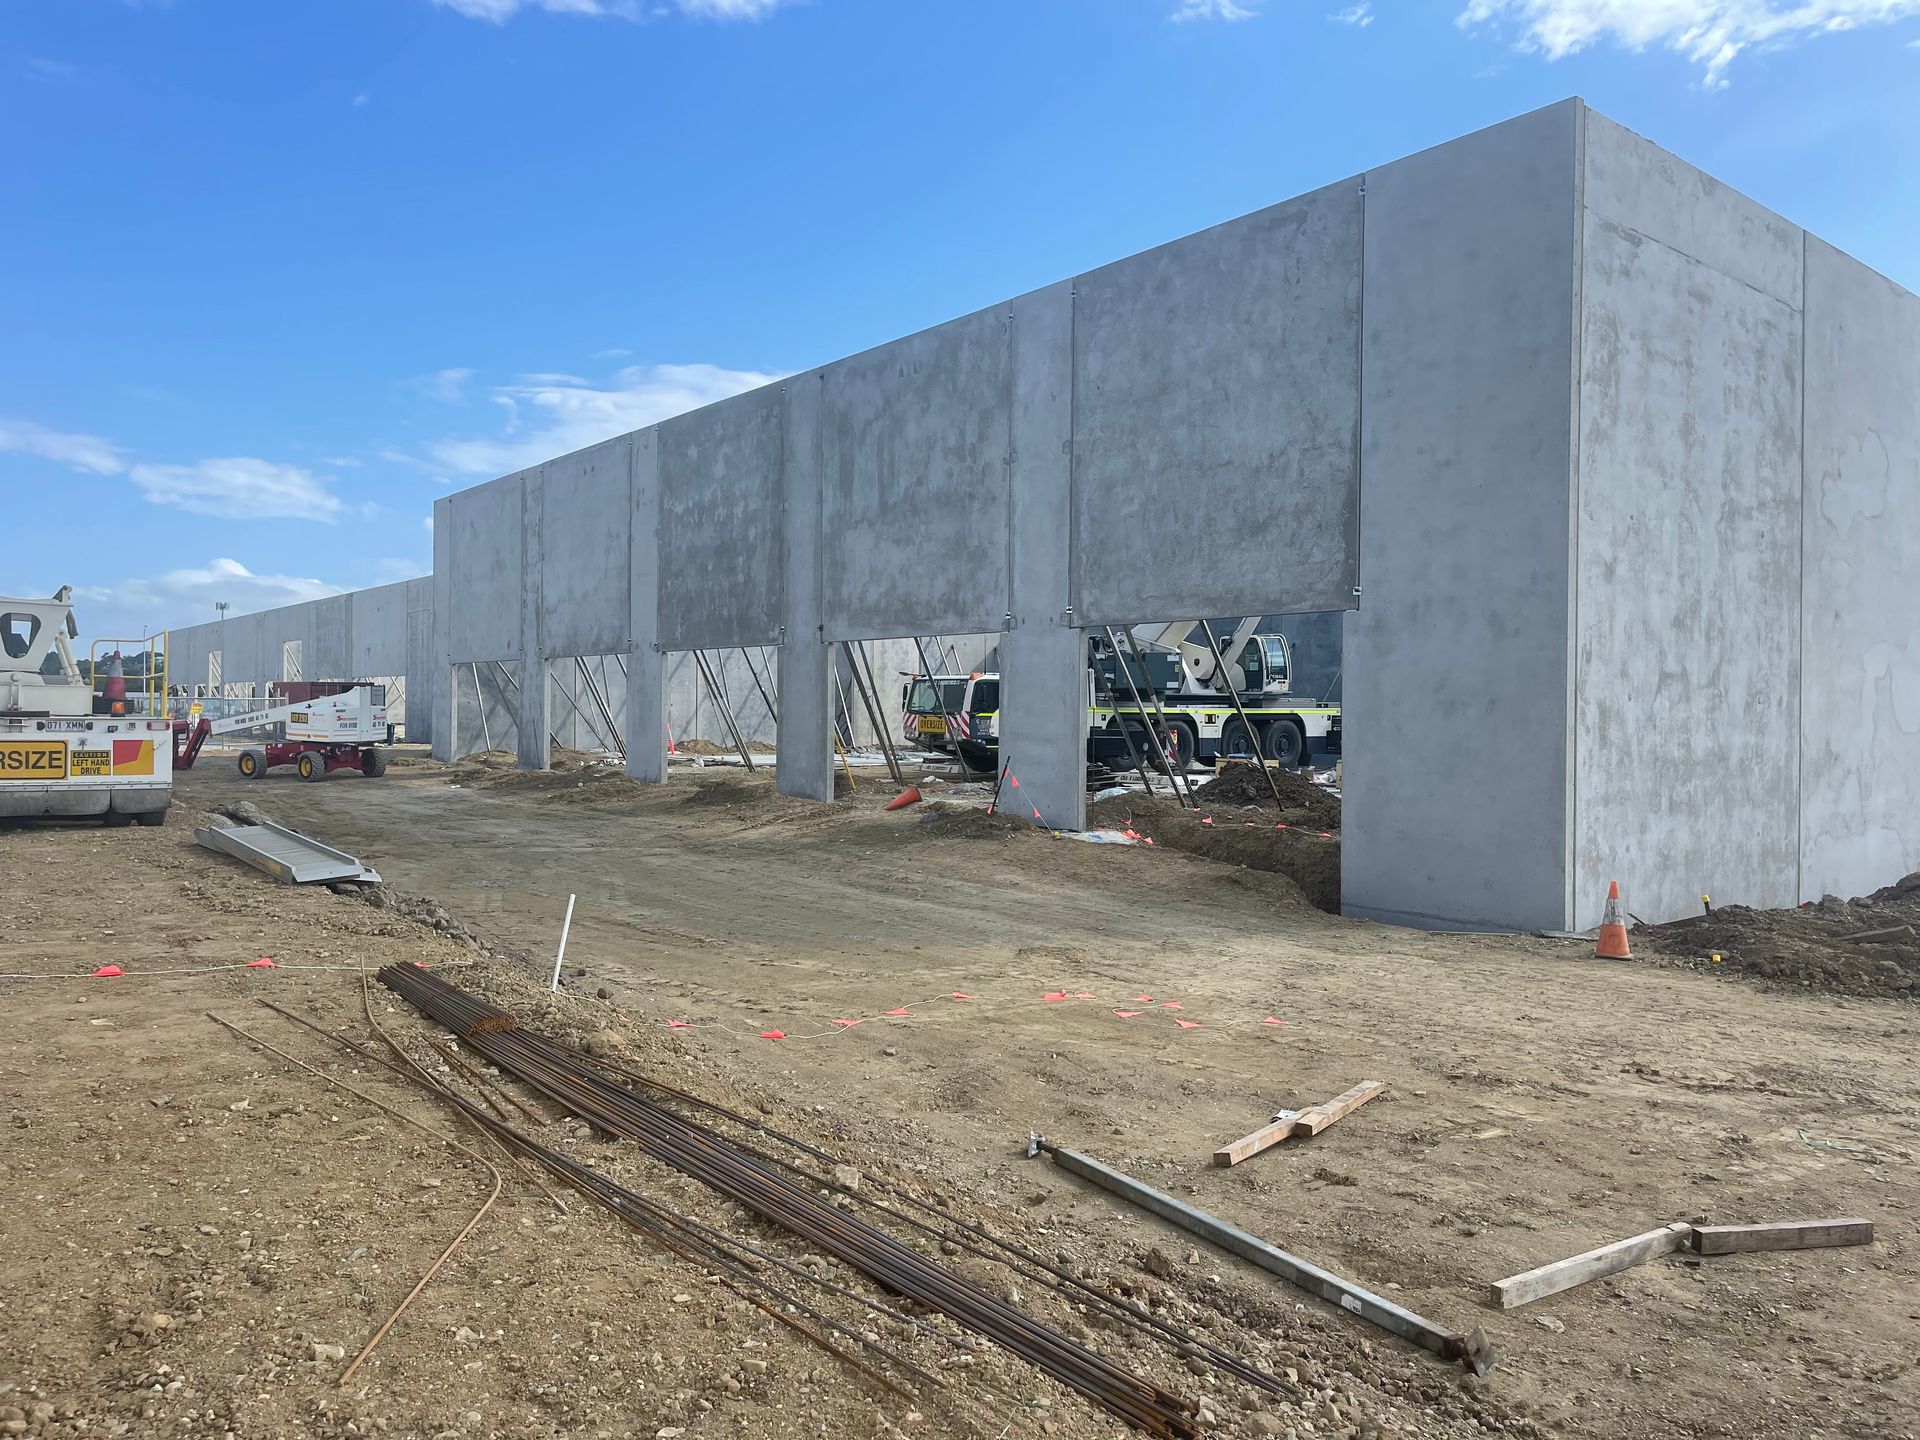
(63, 751)
(1176, 692)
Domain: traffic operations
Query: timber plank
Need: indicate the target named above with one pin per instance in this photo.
(1781, 1235)
(1575, 1270)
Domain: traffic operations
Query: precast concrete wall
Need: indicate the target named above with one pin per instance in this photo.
(1457, 732)
(362, 634)
(1859, 622)
(1174, 434)
(1646, 616)
(1686, 588)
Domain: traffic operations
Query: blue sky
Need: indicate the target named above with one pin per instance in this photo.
(279, 274)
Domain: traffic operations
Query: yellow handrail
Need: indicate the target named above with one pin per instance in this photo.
(150, 688)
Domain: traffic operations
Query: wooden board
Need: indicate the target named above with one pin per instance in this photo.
(1781, 1235)
(1247, 1146)
(1593, 1265)
(1319, 1117)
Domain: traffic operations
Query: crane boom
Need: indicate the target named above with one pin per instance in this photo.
(1196, 657)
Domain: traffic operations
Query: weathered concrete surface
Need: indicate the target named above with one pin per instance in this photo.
(487, 553)
(1216, 419)
(805, 766)
(534, 751)
(583, 550)
(440, 630)
(913, 480)
(1860, 622)
(1635, 184)
(1043, 654)
(722, 519)
(377, 634)
(1458, 685)
(644, 718)
(328, 649)
(1687, 708)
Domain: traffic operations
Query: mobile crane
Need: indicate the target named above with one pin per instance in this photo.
(1198, 709)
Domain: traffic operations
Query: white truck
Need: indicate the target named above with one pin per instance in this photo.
(62, 753)
(1176, 692)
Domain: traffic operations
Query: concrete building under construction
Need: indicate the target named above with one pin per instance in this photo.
(1613, 468)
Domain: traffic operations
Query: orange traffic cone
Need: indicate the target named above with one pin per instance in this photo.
(908, 796)
(1613, 928)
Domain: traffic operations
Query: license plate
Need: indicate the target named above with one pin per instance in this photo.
(33, 760)
(933, 725)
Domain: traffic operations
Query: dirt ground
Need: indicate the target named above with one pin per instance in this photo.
(199, 1234)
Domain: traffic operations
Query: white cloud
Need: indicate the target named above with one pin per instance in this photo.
(549, 415)
(730, 9)
(618, 352)
(360, 99)
(1360, 15)
(185, 597)
(1216, 10)
(1710, 33)
(448, 386)
(239, 488)
(54, 72)
(498, 12)
(81, 452)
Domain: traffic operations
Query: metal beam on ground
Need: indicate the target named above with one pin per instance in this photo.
(1472, 1350)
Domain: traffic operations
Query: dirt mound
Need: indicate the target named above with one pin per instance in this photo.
(1241, 785)
(1809, 948)
(1297, 852)
(573, 777)
(950, 819)
(731, 790)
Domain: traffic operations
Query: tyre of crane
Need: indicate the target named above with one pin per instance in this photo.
(1285, 745)
(151, 817)
(1122, 757)
(373, 762)
(312, 765)
(253, 764)
(1237, 739)
(114, 819)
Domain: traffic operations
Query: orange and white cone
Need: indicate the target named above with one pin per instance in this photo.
(1613, 928)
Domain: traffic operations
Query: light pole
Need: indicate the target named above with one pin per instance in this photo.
(221, 606)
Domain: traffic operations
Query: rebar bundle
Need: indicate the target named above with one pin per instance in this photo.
(748, 1180)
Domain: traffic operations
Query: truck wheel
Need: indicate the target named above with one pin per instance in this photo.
(1285, 743)
(252, 764)
(1142, 747)
(151, 817)
(373, 763)
(311, 765)
(1236, 739)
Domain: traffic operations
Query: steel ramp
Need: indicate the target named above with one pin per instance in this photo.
(287, 855)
